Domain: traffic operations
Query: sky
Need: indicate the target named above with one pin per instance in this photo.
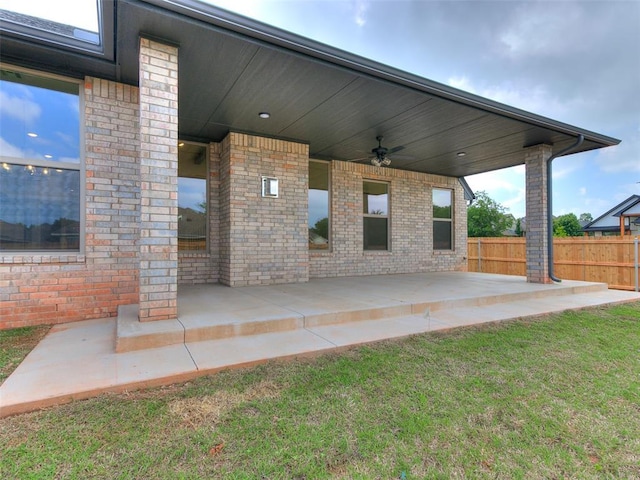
(573, 61)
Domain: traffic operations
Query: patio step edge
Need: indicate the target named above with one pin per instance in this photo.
(132, 335)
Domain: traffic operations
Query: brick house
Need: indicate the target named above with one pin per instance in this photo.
(181, 144)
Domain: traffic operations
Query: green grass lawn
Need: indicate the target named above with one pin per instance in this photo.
(16, 344)
(555, 397)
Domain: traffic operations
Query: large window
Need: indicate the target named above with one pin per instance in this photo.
(192, 196)
(375, 203)
(40, 176)
(442, 219)
(318, 205)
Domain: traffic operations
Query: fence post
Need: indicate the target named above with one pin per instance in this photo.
(480, 260)
(635, 244)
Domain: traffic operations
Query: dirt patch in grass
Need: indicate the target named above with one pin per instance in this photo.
(208, 409)
(16, 344)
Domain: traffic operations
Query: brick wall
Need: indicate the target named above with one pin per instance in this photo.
(57, 288)
(410, 225)
(263, 240)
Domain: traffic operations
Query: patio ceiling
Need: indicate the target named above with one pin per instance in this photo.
(232, 68)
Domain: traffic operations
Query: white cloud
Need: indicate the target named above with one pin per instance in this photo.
(621, 158)
(504, 186)
(564, 172)
(360, 9)
(533, 99)
(583, 191)
(19, 108)
(535, 29)
(8, 150)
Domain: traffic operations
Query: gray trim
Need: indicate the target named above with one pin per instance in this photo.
(549, 192)
(469, 196)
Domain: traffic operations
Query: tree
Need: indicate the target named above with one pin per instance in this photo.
(586, 217)
(559, 231)
(518, 230)
(486, 217)
(567, 226)
(322, 227)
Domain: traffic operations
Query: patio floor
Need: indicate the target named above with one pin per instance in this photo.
(220, 327)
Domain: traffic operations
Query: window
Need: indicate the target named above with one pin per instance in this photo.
(192, 196)
(89, 28)
(318, 205)
(40, 178)
(375, 203)
(442, 219)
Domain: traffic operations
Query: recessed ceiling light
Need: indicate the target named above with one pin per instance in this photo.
(48, 156)
(32, 134)
(264, 115)
(181, 144)
(461, 154)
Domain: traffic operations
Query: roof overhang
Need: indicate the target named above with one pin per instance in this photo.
(232, 68)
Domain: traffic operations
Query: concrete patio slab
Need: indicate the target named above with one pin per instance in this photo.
(215, 355)
(80, 360)
(210, 312)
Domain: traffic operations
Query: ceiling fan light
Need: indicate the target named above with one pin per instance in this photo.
(375, 162)
(386, 162)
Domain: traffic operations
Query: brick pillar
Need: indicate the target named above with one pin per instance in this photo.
(263, 241)
(158, 181)
(537, 215)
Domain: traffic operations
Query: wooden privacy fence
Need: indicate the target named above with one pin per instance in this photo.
(593, 259)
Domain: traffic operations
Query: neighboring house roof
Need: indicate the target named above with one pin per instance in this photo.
(610, 220)
(232, 68)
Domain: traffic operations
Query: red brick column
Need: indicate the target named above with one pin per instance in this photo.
(158, 181)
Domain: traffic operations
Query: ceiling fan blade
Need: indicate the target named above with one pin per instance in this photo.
(361, 159)
(395, 149)
(402, 157)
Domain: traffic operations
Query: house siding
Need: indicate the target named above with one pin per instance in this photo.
(57, 288)
(252, 240)
(410, 225)
(263, 240)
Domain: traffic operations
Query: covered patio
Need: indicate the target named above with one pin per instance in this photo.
(220, 327)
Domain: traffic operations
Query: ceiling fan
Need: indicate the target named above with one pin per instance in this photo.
(381, 154)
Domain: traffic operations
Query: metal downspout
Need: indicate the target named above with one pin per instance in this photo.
(550, 205)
